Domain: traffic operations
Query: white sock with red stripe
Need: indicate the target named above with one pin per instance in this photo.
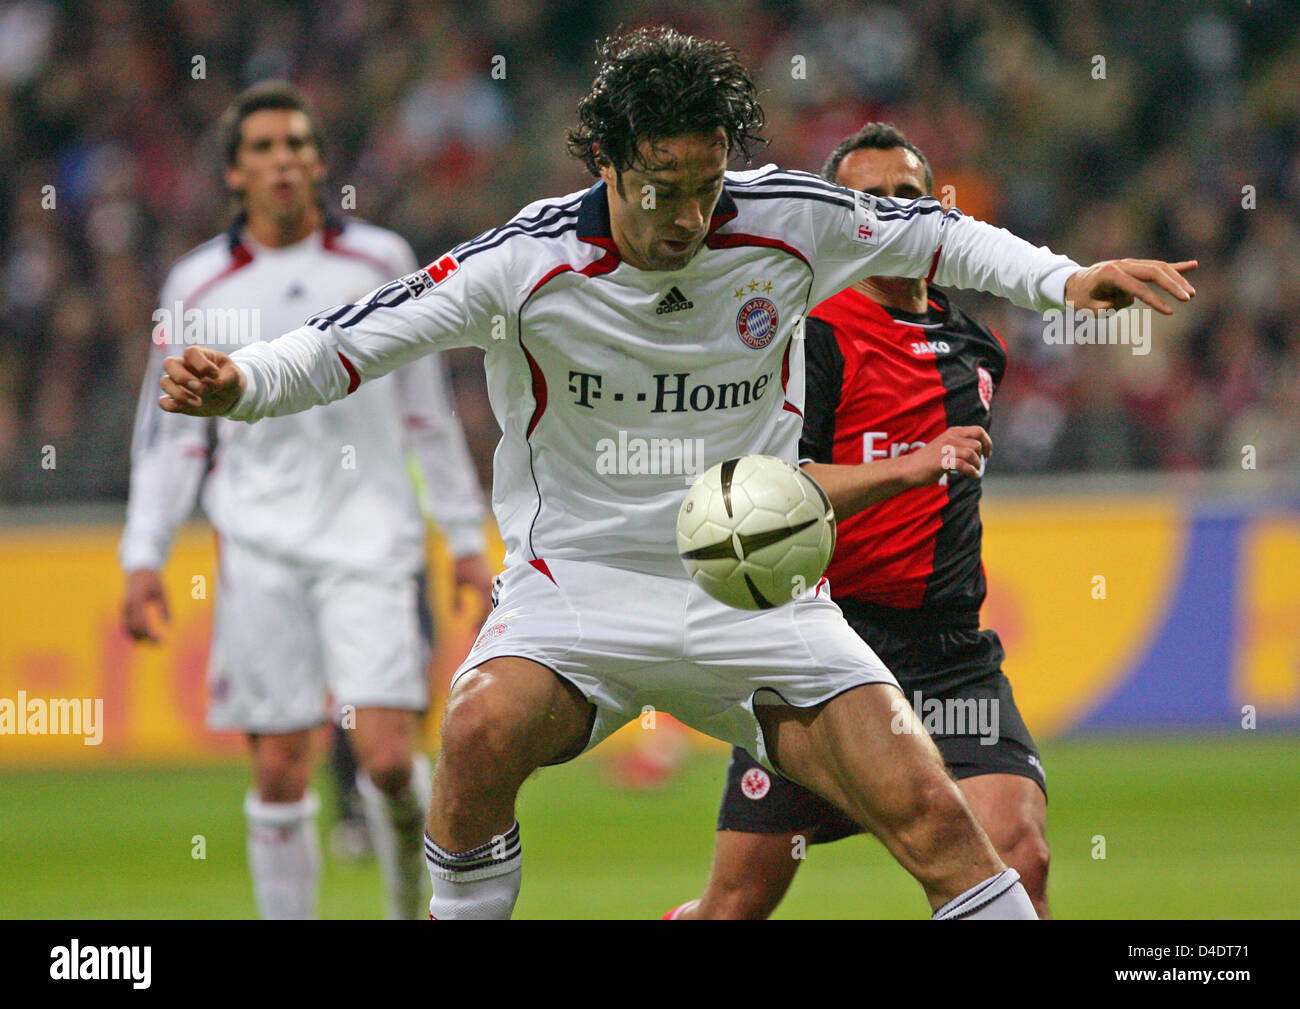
(284, 855)
(481, 883)
(998, 898)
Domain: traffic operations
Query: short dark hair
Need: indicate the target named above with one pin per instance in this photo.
(876, 136)
(266, 95)
(655, 83)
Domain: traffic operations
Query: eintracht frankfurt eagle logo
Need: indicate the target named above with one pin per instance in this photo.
(756, 322)
(755, 783)
(985, 387)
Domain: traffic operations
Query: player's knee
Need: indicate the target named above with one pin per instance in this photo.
(1027, 852)
(280, 775)
(930, 818)
(481, 731)
(739, 901)
(389, 769)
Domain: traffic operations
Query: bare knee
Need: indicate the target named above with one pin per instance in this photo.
(281, 768)
(389, 769)
(738, 900)
(478, 725)
(1027, 852)
(484, 739)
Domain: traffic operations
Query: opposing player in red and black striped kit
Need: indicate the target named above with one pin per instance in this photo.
(893, 367)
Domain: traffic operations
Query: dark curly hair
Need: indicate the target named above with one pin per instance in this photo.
(879, 137)
(655, 83)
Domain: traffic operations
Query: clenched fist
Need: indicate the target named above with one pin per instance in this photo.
(201, 382)
(957, 450)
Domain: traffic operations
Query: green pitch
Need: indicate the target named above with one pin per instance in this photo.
(1193, 827)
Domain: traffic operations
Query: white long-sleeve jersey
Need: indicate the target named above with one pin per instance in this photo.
(613, 385)
(328, 487)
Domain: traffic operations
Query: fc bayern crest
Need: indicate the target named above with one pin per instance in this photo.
(985, 387)
(756, 322)
(755, 783)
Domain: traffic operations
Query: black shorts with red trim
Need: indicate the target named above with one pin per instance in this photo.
(943, 663)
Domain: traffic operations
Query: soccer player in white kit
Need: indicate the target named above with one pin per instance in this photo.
(664, 302)
(320, 537)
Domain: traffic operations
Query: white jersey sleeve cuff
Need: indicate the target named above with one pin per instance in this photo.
(245, 408)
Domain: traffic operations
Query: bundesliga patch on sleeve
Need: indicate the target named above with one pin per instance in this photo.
(863, 227)
(421, 282)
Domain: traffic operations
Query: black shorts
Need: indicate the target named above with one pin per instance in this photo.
(942, 668)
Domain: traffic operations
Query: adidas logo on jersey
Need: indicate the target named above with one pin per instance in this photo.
(674, 301)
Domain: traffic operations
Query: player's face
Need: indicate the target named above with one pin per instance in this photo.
(660, 216)
(896, 172)
(277, 165)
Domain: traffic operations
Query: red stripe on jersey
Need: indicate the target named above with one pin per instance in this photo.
(539, 392)
(547, 279)
(736, 240)
(354, 379)
(893, 398)
(604, 264)
(1000, 340)
(540, 565)
(239, 258)
(934, 265)
(785, 380)
(330, 243)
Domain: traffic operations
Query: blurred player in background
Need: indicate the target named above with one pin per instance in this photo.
(595, 616)
(891, 364)
(320, 537)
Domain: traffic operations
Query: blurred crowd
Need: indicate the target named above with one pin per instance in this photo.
(1098, 128)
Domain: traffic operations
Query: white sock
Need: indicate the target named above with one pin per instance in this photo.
(480, 883)
(284, 855)
(998, 898)
(397, 831)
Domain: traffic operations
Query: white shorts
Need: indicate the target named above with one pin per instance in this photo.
(629, 641)
(286, 635)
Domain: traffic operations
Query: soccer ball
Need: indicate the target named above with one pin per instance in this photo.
(755, 532)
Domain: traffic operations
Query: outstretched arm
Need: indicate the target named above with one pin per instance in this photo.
(855, 235)
(446, 304)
